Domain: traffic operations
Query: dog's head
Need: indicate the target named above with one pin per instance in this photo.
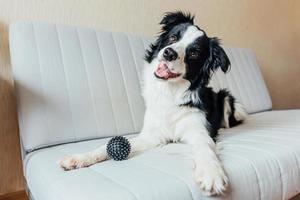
(184, 51)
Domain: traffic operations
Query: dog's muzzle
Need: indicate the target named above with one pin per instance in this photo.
(170, 54)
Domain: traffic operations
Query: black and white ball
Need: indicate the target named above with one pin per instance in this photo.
(118, 148)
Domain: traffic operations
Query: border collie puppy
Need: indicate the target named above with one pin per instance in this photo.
(179, 105)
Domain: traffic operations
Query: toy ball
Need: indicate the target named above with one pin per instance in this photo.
(118, 148)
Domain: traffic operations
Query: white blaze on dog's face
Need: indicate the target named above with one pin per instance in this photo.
(172, 57)
(183, 51)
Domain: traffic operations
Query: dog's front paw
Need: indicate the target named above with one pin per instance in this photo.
(74, 162)
(213, 181)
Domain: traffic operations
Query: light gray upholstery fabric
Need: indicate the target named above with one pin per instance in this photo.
(261, 158)
(70, 83)
(244, 80)
(76, 83)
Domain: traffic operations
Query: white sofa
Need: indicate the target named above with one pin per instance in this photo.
(76, 87)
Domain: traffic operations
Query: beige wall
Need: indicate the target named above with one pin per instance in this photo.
(296, 22)
(269, 27)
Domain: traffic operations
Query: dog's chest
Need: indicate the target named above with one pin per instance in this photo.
(163, 108)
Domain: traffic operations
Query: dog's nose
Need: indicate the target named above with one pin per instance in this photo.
(169, 54)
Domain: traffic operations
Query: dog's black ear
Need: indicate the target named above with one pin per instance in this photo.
(172, 19)
(217, 56)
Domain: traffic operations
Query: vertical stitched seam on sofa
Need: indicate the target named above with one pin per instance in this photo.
(66, 81)
(124, 81)
(245, 93)
(228, 82)
(238, 63)
(254, 169)
(266, 152)
(134, 59)
(252, 85)
(259, 78)
(245, 78)
(112, 180)
(259, 74)
(285, 146)
(108, 88)
(258, 92)
(92, 96)
(234, 79)
(137, 70)
(42, 82)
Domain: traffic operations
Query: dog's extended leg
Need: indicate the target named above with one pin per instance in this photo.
(209, 173)
(139, 143)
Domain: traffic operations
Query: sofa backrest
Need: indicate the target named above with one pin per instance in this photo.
(74, 83)
(244, 80)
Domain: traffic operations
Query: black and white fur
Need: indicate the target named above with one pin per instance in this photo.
(180, 107)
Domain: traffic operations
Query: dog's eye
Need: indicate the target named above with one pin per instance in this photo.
(172, 39)
(193, 54)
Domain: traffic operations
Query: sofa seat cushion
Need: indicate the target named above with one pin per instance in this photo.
(261, 157)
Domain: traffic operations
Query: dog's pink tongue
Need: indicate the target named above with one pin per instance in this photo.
(162, 70)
